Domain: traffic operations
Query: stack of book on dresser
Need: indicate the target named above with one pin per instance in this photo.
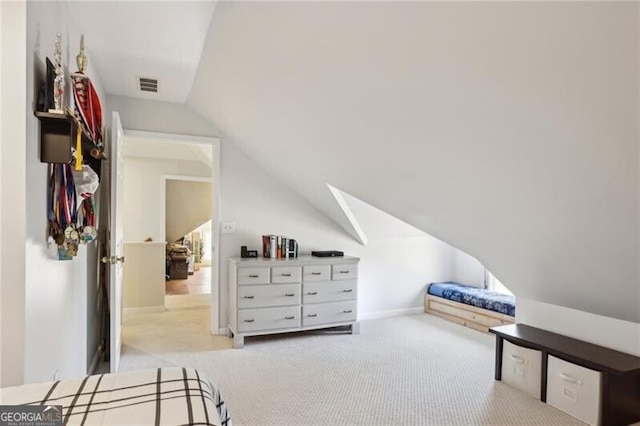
(279, 247)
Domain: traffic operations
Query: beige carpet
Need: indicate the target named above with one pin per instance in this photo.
(187, 301)
(412, 370)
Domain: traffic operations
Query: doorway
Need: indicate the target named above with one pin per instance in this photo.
(152, 162)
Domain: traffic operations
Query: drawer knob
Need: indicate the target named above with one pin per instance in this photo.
(286, 274)
(248, 297)
(253, 276)
(312, 315)
(312, 293)
(316, 273)
(290, 294)
(347, 291)
(570, 379)
(344, 272)
(249, 320)
(289, 317)
(347, 311)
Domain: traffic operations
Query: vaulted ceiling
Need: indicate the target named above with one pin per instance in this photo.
(507, 129)
(160, 40)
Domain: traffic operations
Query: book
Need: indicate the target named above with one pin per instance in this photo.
(273, 248)
(266, 245)
(279, 246)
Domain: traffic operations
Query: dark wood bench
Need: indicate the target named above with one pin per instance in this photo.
(620, 372)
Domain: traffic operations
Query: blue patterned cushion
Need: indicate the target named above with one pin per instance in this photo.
(475, 296)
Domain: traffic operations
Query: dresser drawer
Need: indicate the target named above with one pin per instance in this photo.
(316, 273)
(574, 389)
(253, 275)
(286, 274)
(325, 313)
(256, 296)
(344, 272)
(521, 368)
(268, 318)
(331, 291)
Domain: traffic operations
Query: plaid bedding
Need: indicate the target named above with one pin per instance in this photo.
(163, 396)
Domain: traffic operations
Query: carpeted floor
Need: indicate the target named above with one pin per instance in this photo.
(411, 370)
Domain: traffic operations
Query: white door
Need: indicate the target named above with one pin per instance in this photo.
(116, 245)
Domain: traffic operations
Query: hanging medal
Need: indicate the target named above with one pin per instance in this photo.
(68, 211)
(88, 232)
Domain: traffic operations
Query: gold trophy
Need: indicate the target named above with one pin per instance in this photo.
(81, 58)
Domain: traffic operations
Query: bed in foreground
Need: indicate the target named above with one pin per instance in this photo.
(162, 396)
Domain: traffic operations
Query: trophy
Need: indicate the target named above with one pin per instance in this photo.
(58, 81)
(81, 58)
(87, 104)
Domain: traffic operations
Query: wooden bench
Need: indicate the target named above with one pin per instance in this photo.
(618, 387)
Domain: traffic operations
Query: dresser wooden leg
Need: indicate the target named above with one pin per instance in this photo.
(238, 341)
(355, 328)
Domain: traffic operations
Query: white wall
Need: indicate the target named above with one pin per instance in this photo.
(13, 83)
(187, 206)
(401, 257)
(164, 117)
(616, 334)
(467, 270)
(142, 194)
(638, 174)
(507, 129)
(56, 309)
(393, 272)
(1, 222)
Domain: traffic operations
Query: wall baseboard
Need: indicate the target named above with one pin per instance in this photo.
(388, 314)
(223, 331)
(95, 360)
(127, 311)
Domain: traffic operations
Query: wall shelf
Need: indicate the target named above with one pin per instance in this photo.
(58, 136)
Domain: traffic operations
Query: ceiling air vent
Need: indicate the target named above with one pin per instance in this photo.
(146, 84)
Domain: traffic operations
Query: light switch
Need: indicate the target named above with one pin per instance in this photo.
(228, 227)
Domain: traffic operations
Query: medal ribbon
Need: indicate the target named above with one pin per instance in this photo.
(67, 207)
(79, 146)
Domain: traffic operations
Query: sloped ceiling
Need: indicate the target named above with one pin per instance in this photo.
(143, 147)
(156, 39)
(507, 129)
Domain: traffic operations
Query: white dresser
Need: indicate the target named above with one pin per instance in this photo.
(270, 296)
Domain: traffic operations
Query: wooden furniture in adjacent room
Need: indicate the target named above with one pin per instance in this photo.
(270, 296)
(598, 385)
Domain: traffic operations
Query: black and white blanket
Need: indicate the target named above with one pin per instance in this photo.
(163, 396)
